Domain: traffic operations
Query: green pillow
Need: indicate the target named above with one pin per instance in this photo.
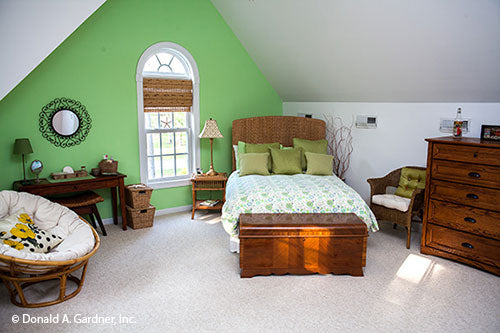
(312, 146)
(286, 161)
(261, 148)
(254, 164)
(237, 153)
(410, 180)
(319, 164)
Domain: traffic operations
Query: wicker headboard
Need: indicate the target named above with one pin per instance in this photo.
(280, 129)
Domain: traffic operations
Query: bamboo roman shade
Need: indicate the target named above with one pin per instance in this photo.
(169, 95)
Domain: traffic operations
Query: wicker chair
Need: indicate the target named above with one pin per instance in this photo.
(379, 186)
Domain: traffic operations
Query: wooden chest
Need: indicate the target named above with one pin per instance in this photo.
(302, 244)
(462, 202)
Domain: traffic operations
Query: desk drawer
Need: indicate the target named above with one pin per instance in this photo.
(473, 174)
(477, 221)
(470, 154)
(479, 197)
(463, 244)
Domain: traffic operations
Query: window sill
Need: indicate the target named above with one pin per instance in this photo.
(170, 183)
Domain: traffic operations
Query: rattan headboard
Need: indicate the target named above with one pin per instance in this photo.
(280, 129)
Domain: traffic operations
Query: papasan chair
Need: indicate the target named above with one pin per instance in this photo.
(77, 242)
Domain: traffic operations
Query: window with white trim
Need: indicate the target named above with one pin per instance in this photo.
(167, 86)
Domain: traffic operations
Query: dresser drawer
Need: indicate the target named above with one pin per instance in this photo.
(477, 221)
(470, 154)
(474, 174)
(475, 196)
(463, 244)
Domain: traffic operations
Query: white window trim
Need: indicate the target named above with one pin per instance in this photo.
(195, 119)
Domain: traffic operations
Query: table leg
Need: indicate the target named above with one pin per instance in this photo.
(194, 203)
(121, 189)
(114, 204)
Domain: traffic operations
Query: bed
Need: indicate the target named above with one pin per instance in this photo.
(298, 193)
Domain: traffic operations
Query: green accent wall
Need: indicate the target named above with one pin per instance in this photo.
(96, 65)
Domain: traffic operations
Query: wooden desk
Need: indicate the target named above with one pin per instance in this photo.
(46, 188)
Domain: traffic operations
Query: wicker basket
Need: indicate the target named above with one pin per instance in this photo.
(108, 167)
(140, 218)
(138, 196)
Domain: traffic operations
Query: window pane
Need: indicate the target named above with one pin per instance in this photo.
(181, 145)
(168, 166)
(166, 119)
(164, 57)
(154, 168)
(180, 119)
(182, 165)
(151, 120)
(167, 141)
(151, 65)
(153, 144)
(177, 66)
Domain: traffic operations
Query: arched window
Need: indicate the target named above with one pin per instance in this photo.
(168, 107)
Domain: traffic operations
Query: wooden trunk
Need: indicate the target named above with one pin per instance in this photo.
(302, 244)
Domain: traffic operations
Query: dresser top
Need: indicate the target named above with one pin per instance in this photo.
(465, 141)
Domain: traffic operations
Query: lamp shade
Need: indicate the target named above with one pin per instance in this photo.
(211, 130)
(22, 146)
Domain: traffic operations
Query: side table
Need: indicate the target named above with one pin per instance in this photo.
(208, 183)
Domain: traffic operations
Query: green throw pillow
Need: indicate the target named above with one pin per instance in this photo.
(262, 148)
(239, 150)
(254, 164)
(286, 161)
(410, 180)
(312, 146)
(319, 164)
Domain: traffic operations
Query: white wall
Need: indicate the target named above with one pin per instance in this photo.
(399, 137)
(31, 29)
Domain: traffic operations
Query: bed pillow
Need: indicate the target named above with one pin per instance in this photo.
(286, 161)
(254, 164)
(410, 180)
(262, 148)
(19, 232)
(312, 146)
(319, 164)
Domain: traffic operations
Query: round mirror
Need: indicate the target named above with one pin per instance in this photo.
(65, 122)
(36, 167)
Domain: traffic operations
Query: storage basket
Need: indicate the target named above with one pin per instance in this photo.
(138, 195)
(140, 218)
(108, 167)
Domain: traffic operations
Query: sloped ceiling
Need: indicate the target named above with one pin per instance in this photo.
(31, 29)
(373, 51)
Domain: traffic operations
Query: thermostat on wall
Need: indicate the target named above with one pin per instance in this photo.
(366, 121)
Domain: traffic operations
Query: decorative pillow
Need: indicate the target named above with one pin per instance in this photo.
(319, 164)
(410, 180)
(238, 150)
(19, 232)
(262, 148)
(312, 146)
(286, 161)
(254, 164)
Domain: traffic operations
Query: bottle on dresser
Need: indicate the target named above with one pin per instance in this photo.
(457, 124)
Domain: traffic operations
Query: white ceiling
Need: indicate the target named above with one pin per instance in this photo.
(373, 51)
(31, 29)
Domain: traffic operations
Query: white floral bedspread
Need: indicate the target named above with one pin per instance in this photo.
(290, 194)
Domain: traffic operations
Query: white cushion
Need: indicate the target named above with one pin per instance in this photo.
(54, 218)
(391, 201)
(235, 148)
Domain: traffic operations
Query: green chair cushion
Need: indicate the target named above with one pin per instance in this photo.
(254, 164)
(319, 164)
(286, 161)
(312, 146)
(261, 148)
(410, 180)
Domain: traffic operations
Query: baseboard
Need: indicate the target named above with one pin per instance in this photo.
(159, 212)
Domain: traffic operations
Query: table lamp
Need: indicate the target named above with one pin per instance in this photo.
(23, 147)
(211, 131)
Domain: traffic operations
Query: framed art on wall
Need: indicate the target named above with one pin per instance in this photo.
(490, 132)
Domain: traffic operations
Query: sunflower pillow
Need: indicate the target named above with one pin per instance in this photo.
(19, 232)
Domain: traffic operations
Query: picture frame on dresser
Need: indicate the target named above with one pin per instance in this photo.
(490, 132)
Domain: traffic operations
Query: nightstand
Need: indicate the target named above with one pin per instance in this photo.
(208, 183)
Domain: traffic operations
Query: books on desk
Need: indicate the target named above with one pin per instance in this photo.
(209, 203)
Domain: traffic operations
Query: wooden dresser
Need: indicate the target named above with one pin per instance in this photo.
(462, 202)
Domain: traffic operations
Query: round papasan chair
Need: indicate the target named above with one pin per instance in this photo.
(19, 269)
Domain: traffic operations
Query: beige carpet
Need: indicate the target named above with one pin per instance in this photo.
(180, 276)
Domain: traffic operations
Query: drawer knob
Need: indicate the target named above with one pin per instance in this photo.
(472, 196)
(475, 154)
(474, 175)
(469, 219)
(467, 245)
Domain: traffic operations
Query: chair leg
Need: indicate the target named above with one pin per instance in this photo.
(408, 236)
(394, 226)
(99, 220)
(92, 220)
